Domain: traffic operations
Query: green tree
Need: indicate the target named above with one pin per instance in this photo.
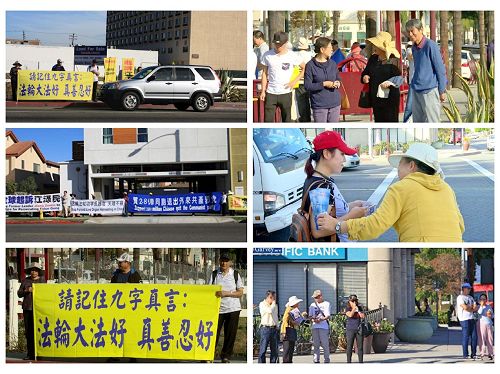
(28, 186)
(11, 187)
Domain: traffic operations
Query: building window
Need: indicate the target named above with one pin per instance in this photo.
(36, 168)
(107, 136)
(170, 50)
(22, 164)
(185, 33)
(185, 49)
(142, 135)
(184, 21)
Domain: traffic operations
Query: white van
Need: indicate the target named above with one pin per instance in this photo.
(279, 156)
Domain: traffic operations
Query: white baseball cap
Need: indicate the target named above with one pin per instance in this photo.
(421, 152)
(124, 257)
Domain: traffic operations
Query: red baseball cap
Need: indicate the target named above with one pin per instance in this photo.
(331, 139)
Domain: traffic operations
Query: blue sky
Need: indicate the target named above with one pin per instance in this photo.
(53, 28)
(55, 144)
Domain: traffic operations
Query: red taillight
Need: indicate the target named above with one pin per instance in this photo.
(465, 65)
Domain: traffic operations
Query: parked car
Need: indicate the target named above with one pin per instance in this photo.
(467, 61)
(351, 161)
(458, 136)
(490, 142)
(182, 85)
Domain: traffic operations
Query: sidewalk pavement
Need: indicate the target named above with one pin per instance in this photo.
(458, 95)
(158, 220)
(444, 347)
(17, 358)
(101, 105)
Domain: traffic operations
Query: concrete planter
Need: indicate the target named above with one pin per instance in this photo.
(414, 330)
(433, 320)
(381, 341)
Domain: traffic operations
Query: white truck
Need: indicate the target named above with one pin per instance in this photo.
(279, 156)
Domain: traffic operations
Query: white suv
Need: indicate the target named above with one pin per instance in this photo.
(181, 85)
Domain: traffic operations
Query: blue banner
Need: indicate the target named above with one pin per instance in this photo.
(298, 254)
(171, 204)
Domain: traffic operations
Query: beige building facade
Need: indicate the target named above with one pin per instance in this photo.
(217, 39)
(24, 159)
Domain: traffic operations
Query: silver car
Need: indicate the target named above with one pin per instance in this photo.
(181, 85)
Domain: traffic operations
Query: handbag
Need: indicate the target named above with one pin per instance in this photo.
(344, 101)
(290, 334)
(365, 328)
(364, 97)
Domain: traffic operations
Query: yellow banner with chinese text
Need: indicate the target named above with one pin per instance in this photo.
(109, 69)
(161, 321)
(237, 202)
(54, 85)
(128, 65)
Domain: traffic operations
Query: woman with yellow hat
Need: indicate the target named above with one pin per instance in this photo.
(421, 206)
(382, 65)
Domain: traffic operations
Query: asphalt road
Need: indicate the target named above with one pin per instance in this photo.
(104, 114)
(226, 232)
(474, 192)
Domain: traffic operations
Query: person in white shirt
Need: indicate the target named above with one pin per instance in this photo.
(466, 306)
(94, 69)
(277, 82)
(230, 306)
(261, 47)
(269, 327)
(319, 313)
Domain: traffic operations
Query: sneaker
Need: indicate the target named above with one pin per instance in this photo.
(490, 358)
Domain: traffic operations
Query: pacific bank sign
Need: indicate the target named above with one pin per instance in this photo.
(301, 254)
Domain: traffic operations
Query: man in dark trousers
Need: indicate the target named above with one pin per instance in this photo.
(230, 306)
(13, 78)
(26, 292)
(125, 272)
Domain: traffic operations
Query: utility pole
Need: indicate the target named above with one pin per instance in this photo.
(72, 38)
(24, 36)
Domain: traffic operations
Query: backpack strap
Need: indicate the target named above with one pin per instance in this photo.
(304, 195)
(333, 211)
(214, 275)
(235, 273)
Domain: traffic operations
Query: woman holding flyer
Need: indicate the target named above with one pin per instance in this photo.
(421, 206)
(328, 157)
(291, 318)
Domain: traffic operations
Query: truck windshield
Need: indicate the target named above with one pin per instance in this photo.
(144, 72)
(276, 144)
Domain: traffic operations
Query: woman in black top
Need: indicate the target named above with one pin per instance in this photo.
(329, 160)
(354, 316)
(382, 66)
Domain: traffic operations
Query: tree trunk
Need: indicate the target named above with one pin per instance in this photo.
(457, 48)
(491, 26)
(335, 24)
(443, 20)
(433, 24)
(371, 23)
(391, 23)
(137, 256)
(482, 37)
(276, 23)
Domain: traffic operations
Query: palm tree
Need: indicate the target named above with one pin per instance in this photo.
(491, 26)
(391, 22)
(371, 23)
(482, 36)
(276, 22)
(457, 48)
(335, 24)
(443, 37)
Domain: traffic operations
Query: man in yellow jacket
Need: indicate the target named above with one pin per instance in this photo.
(421, 206)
